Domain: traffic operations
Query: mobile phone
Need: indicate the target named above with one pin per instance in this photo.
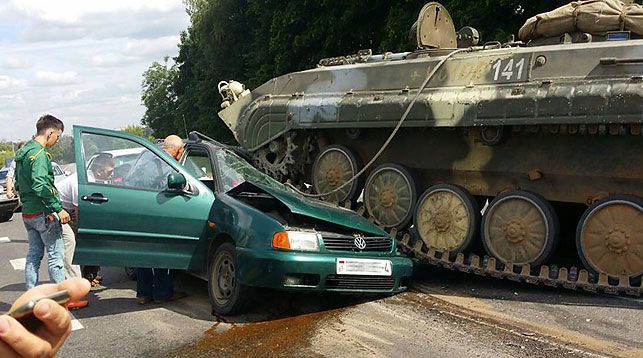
(24, 313)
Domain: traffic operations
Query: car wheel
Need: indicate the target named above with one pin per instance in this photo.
(5, 217)
(131, 273)
(227, 295)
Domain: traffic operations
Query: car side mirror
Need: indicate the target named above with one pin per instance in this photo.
(176, 181)
(67, 173)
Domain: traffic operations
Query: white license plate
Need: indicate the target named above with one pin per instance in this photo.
(363, 267)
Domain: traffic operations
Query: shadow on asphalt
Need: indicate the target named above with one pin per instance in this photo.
(265, 305)
(430, 279)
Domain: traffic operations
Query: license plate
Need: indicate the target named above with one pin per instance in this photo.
(363, 267)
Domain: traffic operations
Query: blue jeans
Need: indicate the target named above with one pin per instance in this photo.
(44, 235)
(154, 283)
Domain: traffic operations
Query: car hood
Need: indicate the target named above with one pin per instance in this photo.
(318, 209)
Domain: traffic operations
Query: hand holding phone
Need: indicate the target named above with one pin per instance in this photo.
(40, 310)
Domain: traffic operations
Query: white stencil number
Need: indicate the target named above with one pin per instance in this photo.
(510, 69)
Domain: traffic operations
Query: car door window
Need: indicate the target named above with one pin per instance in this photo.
(198, 163)
(143, 170)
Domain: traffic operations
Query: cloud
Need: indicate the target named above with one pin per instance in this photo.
(15, 63)
(56, 78)
(82, 61)
(70, 11)
(7, 82)
(72, 20)
(152, 46)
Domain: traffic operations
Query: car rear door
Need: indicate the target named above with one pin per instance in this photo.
(131, 218)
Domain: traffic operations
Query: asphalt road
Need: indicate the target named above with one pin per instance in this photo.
(445, 314)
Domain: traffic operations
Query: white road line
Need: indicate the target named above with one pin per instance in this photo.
(18, 264)
(4, 239)
(75, 323)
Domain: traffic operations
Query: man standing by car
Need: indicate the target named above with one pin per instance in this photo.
(42, 212)
(155, 284)
(101, 168)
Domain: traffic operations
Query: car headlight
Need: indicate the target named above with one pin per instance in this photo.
(296, 240)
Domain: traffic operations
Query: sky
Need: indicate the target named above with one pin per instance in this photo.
(81, 60)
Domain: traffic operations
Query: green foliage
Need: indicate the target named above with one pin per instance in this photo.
(139, 131)
(252, 41)
(159, 98)
(5, 153)
(63, 151)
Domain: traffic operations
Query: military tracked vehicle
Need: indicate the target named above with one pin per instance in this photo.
(481, 150)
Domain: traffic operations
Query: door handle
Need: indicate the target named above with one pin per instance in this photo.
(95, 198)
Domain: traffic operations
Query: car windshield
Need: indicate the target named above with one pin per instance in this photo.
(235, 171)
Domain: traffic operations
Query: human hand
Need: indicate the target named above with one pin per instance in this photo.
(63, 216)
(17, 341)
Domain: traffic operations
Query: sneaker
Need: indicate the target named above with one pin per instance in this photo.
(177, 295)
(143, 300)
(77, 305)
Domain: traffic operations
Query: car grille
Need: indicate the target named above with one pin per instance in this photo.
(338, 242)
(352, 282)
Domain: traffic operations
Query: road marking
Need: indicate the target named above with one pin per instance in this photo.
(75, 323)
(4, 239)
(18, 264)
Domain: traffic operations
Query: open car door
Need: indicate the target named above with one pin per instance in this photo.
(142, 211)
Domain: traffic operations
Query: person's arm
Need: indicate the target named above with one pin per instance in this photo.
(9, 187)
(10, 174)
(17, 341)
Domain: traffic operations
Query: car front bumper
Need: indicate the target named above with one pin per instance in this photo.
(317, 272)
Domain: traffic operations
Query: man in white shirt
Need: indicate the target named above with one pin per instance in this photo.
(102, 168)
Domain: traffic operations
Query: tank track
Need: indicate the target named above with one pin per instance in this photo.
(548, 275)
(552, 275)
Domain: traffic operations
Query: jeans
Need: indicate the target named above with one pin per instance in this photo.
(154, 283)
(44, 235)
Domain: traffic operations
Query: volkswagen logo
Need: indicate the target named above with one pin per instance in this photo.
(359, 242)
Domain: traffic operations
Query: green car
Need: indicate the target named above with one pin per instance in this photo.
(218, 217)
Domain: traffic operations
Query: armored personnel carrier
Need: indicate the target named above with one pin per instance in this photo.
(477, 146)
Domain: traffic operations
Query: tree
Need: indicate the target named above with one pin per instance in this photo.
(140, 131)
(63, 151)
(160, 100)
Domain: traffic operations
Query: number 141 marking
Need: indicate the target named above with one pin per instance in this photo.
(508, 70)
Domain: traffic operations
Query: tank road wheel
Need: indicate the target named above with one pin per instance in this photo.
(520, 227)
(609, 237)
(334, 166)
(390, 194)
(447, 218)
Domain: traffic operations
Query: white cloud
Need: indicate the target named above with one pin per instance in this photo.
(152, 46)
(70, 11)
(15, 63)
(112, 59)
(56, 78)
(7, 82)
(81, 60)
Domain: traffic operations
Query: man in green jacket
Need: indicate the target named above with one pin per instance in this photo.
(42, 212)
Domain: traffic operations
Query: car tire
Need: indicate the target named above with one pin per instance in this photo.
(227, 295)
(5, 217)
(131, 273)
